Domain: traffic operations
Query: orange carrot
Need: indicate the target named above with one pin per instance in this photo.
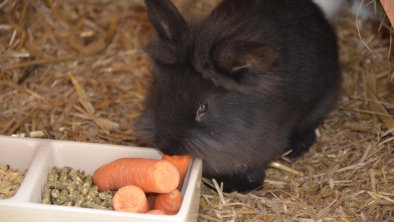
(155, 211)
(130, 199)
(181, 163)
(169, 203)
(157, 176)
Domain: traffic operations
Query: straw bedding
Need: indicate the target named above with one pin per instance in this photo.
(75, 70)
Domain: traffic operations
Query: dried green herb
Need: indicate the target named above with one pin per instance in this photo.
(69, 187)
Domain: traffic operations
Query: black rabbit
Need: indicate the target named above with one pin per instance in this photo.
(241, 87)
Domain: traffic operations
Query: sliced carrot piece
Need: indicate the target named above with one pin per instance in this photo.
(181, 162)
(130, 199)
(157, 176)
(169, 203)
(156, 211)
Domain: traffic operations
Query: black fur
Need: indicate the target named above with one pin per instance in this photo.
(268, 71)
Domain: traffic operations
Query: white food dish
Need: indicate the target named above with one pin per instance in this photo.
(38, 156)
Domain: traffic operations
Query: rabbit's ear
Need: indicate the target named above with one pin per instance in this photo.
(242, 65)
(166, 19)
(236, 59)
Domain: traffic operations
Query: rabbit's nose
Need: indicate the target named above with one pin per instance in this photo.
(168, 145)
(167, 150)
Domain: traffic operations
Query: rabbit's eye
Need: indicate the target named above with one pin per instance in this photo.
(201, 111)
(203, 108)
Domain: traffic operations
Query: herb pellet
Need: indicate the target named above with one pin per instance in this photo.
(70, 187)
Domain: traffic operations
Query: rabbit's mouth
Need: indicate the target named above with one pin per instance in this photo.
(168, 151)
(172, 146)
